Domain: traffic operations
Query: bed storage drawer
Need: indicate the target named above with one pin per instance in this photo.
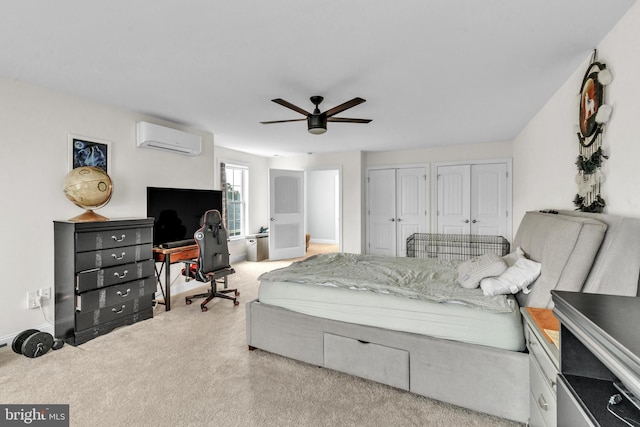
(375, 362)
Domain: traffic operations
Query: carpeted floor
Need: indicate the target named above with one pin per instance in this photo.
(188, 368)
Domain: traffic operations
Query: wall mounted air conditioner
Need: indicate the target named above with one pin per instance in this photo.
(158, 137)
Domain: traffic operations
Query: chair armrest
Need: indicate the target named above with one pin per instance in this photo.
(187, 267)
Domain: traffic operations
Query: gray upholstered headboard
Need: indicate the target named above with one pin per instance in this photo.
(578, 251)
(616, 269)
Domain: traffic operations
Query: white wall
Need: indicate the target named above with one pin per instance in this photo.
(440, 154)
(34, 125)
(546, 150)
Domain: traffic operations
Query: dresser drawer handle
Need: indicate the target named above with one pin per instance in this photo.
(123, 295)
(116, 257)
(118, 240)
(124, 274)
(118, 311)
(541, 402)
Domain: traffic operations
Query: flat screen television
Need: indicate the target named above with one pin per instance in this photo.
(177, 211)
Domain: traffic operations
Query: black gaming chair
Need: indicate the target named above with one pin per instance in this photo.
(212, 264)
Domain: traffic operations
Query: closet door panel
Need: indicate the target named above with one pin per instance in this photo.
(382, 212)
(411, 205)
(488, 199)
(454, 199)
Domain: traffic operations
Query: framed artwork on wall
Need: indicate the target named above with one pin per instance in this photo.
(84, 151)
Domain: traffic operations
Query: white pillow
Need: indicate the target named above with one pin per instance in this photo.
(475, 269)
(516, 278)
(513, 257)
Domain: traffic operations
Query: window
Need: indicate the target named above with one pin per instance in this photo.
(235, 179)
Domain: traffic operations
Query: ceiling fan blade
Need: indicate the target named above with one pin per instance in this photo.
(291, 106)
(283, 121)
(345, 120)
(344, 106)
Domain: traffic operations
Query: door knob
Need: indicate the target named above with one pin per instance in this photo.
(392, 219)
(399, 219)
(466, 221)
(474, 221)
(272, 219)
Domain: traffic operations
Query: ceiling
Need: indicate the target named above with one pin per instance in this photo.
(434, 72)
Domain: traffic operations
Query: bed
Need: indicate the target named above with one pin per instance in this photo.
(441, 347)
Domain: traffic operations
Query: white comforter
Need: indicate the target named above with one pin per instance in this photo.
(426, 279)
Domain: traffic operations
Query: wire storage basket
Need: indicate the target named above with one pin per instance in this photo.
(455, 246)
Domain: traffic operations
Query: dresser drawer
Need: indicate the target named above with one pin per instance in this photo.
(99, 278)
(115, 294)
(113, 256)
(375, 362)
(113, 238)
(537, 352)
(543, 398)
(103, 315)
(535, 416)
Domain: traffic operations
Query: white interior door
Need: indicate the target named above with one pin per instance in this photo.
(286, 207)
(454, 199)
(382, 212)
(411, 205)
(488, 199)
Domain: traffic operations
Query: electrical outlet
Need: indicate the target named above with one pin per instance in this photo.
(33, 300)
(45, 293)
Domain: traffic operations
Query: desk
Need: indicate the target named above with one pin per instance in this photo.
(168, 257)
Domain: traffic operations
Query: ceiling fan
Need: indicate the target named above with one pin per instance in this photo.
(317, 121)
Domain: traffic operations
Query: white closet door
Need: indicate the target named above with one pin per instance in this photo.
(411, 205)
(286, 206)
(488, 199)
(473, 199)
(382, 212)
(397, 208)
(454, 199)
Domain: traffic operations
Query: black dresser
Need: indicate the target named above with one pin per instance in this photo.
(599, 347)
(104, 276)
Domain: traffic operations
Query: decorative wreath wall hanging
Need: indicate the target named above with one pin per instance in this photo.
(594, 114)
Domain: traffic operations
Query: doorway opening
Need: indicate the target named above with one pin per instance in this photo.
(323, 207)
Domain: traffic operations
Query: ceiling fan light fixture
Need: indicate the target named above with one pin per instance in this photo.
(317, 131)
(317, 125)
(317, 121)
